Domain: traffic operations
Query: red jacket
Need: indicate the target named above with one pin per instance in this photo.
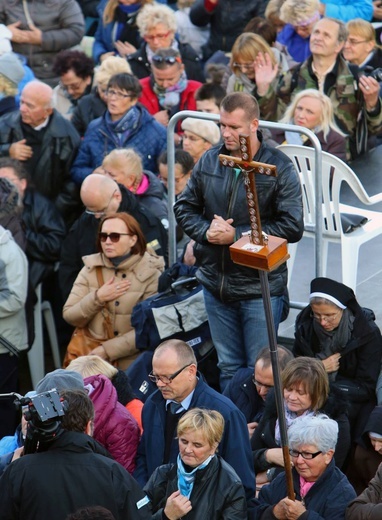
(150, 100)
(114, 427)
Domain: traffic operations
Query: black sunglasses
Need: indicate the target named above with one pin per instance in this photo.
(170, 60)
(114, 237)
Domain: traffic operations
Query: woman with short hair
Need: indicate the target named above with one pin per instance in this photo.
(321, 490)
(201, 484)
(125, 124)
(157, 28)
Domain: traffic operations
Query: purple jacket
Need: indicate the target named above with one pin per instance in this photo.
(114, 426)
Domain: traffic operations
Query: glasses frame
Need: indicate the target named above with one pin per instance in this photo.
(352, 43)
(157, 36)
(243, 66)
(74, 88)
(102, 212)
(259, 385)
(304, 454)
(322, 317)
(117, 236)
(118, 95)
(168, 379)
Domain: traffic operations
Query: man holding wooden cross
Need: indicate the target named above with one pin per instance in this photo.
(213, 211)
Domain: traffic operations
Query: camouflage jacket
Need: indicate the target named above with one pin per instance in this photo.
(340, 85)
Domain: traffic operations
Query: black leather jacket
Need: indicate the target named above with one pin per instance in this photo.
(217, 493)
(215, 189)
(51, 175)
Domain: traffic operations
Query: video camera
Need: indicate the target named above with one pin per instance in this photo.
(44, 415)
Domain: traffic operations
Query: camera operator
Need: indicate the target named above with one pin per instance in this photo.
(72, 472)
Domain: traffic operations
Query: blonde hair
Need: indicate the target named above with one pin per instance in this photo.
(209, 422)
(7, 86)
(153, 14)
(111, 6)
(92, 366)
(363, 29)
(298, 11)
(126, 159)
(327, 115)
(246, 47)
(109, 67)
(273, 8)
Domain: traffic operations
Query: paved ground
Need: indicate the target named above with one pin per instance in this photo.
(369, 279)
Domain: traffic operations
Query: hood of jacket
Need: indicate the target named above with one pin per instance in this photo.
(104, 398)
(5, 235)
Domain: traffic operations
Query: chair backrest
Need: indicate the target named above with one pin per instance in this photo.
(334, 173)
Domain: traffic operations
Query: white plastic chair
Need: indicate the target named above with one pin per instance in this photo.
(334, 173)
(36, 353)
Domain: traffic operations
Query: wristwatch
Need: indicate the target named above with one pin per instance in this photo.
(270, 474)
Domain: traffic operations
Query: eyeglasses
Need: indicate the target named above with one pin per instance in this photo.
(170, 60)
(114, 237)
(260, 385)
(243, 66)
(328, 318)
(101, 212)
(167, 379)
(356, 42)
(151, 38)
(118, 95)
(304, 454)
(74, 87)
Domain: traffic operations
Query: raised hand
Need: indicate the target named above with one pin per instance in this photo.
(265, 72)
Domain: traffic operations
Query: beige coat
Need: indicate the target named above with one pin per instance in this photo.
(81, 308)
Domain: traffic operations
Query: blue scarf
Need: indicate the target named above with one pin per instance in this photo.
(124, 127)
(186, 479)
(170, 97)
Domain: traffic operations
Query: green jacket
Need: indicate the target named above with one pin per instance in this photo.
(340, 85)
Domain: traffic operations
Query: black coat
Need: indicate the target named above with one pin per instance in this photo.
(88, 108)
(244, 394)
(51, 174)
(70, 474)
(81, 239)
(217, 493)
(215, 189)
(264, 435)
(360, 361)
(141, 67)
(45, 231)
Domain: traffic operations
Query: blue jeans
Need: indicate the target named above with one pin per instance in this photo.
(239, 331)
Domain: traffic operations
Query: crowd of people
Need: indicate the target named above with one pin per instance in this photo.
(84, 219)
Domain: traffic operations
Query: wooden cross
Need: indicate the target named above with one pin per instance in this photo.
(254, 250)
(249, 168)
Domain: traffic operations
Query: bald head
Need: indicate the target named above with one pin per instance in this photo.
(36, 103)
(100, 194)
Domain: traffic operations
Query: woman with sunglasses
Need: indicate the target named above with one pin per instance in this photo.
(344, 336)
(305, 386)
(130, 275)
(157, 27)
(361, 48)
(321, 490)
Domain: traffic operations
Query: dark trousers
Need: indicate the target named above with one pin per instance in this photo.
(9, 370)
